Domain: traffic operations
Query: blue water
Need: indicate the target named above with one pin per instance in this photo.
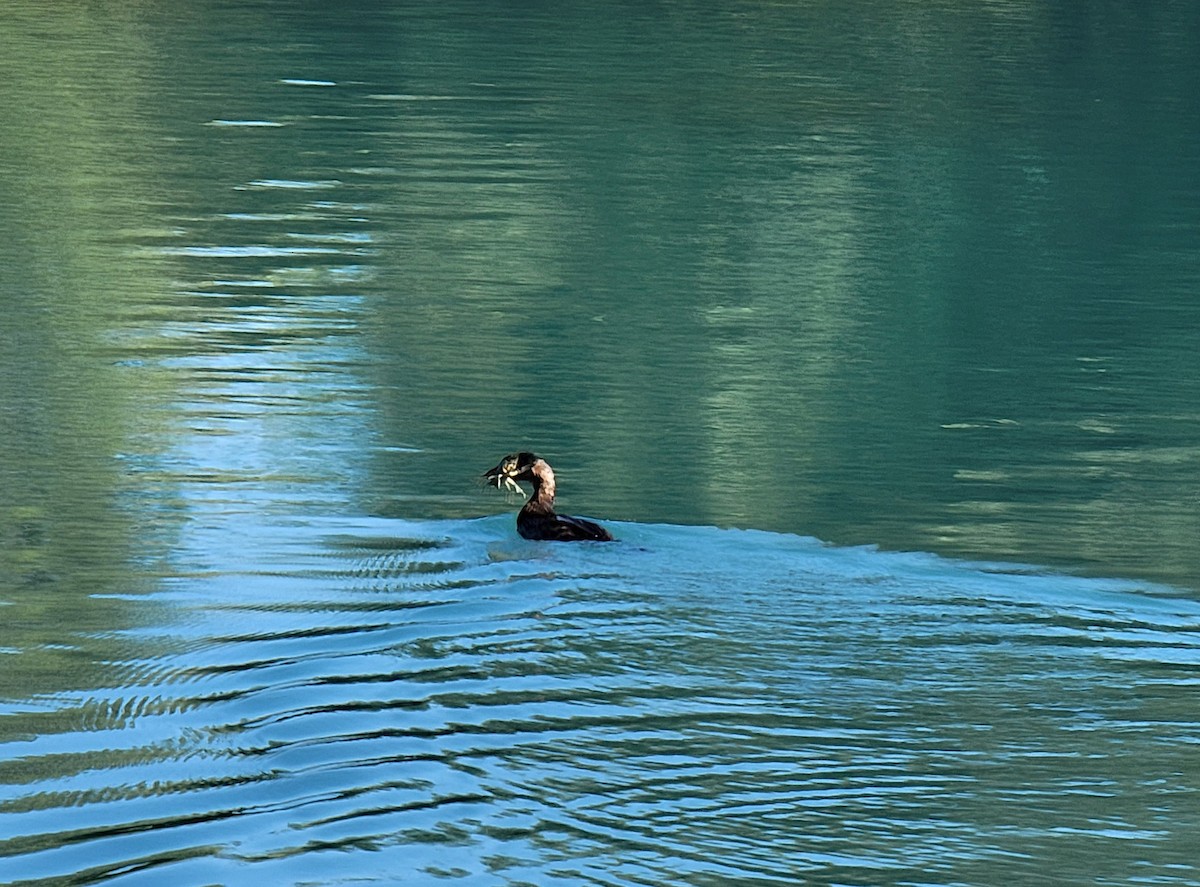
(279, 279)
(386, 701)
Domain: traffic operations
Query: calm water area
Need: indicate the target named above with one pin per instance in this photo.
(872, 330)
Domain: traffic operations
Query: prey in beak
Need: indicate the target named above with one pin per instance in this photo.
(502, 477)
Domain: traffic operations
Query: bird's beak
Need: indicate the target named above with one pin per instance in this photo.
(493, 476)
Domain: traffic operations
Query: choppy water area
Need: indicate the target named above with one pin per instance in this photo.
(279, 283)
(394, 702)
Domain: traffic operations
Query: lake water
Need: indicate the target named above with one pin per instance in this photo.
(871, 330)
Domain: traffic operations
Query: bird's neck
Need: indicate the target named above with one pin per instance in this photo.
(542, 497)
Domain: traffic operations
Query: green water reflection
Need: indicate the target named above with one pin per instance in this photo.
(920, 277)
(940, 299)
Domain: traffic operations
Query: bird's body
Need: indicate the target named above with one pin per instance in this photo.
(537, 518)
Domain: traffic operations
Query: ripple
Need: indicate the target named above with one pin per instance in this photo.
(696, 706)
(247, 251)
(247, 123)
(294, 184)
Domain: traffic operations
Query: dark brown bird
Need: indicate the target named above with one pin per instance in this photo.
(537, 518)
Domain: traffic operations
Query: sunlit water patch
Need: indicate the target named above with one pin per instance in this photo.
(380, 701)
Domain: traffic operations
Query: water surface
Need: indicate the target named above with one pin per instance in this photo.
(917, 282)
(398, 702)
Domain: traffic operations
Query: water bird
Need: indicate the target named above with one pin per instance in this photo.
(537, 518)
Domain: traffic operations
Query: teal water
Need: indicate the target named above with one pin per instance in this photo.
(917, 282)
